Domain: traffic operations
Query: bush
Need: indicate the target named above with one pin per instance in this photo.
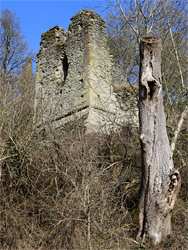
(69, 190)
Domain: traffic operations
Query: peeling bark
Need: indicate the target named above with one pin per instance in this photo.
(160, 181)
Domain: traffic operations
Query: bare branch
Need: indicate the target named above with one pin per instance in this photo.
(178, 129)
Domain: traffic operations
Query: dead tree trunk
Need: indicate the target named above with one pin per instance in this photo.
(160, 181)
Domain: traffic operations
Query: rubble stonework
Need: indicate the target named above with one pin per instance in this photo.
(74, 80)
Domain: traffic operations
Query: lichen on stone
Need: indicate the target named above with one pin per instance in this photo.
(73, 72)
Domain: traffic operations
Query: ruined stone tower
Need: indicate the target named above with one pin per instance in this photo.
(73, 81)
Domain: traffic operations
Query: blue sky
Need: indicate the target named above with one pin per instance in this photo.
(37, 17)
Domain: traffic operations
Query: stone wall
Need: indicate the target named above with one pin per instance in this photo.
(74, 80)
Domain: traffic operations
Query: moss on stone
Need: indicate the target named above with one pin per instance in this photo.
(75, 75)
(51, 32)
(70, 25)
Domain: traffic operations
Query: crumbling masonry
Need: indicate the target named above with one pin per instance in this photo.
(74, 80)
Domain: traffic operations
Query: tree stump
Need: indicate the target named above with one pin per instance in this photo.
(160, 181)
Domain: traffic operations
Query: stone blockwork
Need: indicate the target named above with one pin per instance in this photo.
(74, 80)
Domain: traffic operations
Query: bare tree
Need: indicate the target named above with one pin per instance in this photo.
(12, 45)
(160, 181)
(127, 22)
